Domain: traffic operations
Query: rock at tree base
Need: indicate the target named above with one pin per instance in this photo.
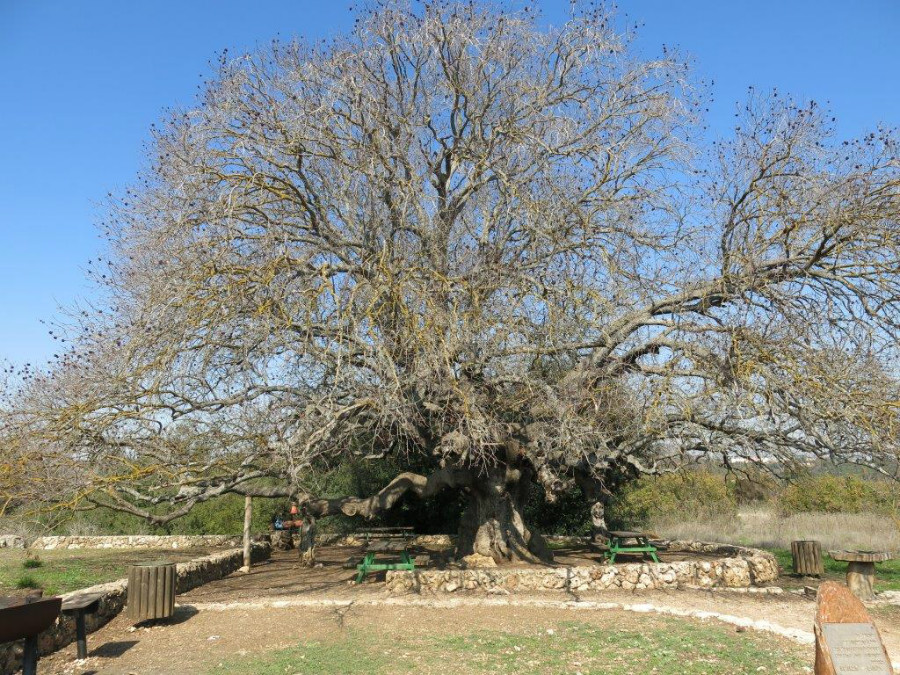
(282, 540)
(847, 642)
(477, 561)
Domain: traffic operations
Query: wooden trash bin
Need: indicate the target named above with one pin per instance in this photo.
(807, 558)
(151, 591)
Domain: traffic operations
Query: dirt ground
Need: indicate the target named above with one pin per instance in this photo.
(280, 603)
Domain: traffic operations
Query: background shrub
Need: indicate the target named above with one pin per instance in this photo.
(687, 494)
(702, 493)
(827, 493)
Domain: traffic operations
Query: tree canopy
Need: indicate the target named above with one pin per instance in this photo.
(501, 252)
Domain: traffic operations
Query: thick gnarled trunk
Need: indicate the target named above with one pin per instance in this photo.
(493, 525)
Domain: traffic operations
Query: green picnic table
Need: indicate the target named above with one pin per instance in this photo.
(381, 541)
(618, 543)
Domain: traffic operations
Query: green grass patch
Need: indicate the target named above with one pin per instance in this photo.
(667, 646)
(63, 571)
(887, 574)
(27, 581)
(32, 563)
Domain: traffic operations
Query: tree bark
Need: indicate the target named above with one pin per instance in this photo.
(248, 516)
(595, 495)
(493, 525)
(368, 507)
(599, 530)
(307, 547)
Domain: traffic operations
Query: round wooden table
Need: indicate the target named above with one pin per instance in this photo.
(861, 570)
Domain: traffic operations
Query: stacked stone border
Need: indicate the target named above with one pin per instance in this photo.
(135, 541)
(739, 567)
(188, 575)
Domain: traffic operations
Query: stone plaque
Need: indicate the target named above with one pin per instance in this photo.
(856, 649)
(847, 641)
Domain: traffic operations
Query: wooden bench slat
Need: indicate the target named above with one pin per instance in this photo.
(386, 546)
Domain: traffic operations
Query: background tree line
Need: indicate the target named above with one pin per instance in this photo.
(701, 492)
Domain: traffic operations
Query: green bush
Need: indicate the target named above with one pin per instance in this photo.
(32, 563)
(839, 494)
(568, 515)
(686, 494)
(223, 515)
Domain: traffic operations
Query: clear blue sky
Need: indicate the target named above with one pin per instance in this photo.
(81, 82)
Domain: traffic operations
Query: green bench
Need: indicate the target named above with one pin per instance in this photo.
(381, 541)
(619, 543)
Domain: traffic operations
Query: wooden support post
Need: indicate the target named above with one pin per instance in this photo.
(248, 516)
(807, 558)
(861, 579)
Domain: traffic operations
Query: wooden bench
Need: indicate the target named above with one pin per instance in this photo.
(379, 533)
(78, 606)
(381, 541)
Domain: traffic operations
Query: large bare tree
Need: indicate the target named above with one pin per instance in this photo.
(459, 238)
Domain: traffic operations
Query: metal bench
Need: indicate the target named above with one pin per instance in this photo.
(26, 617)
(78, 606)
(385, 540)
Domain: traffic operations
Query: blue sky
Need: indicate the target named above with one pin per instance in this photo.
(81, 82)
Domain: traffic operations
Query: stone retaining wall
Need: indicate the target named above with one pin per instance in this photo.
(426, 540)
(738, 568)
(11, 541)
(136, 541)
(188, 575)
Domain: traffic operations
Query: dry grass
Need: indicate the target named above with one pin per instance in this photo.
(764, 528)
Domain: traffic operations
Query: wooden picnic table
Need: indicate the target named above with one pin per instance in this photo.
(618, 544)
(381, 541)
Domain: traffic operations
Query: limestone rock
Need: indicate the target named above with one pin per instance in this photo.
(478, 561)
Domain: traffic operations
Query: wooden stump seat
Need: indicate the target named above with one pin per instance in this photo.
(861, 570)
